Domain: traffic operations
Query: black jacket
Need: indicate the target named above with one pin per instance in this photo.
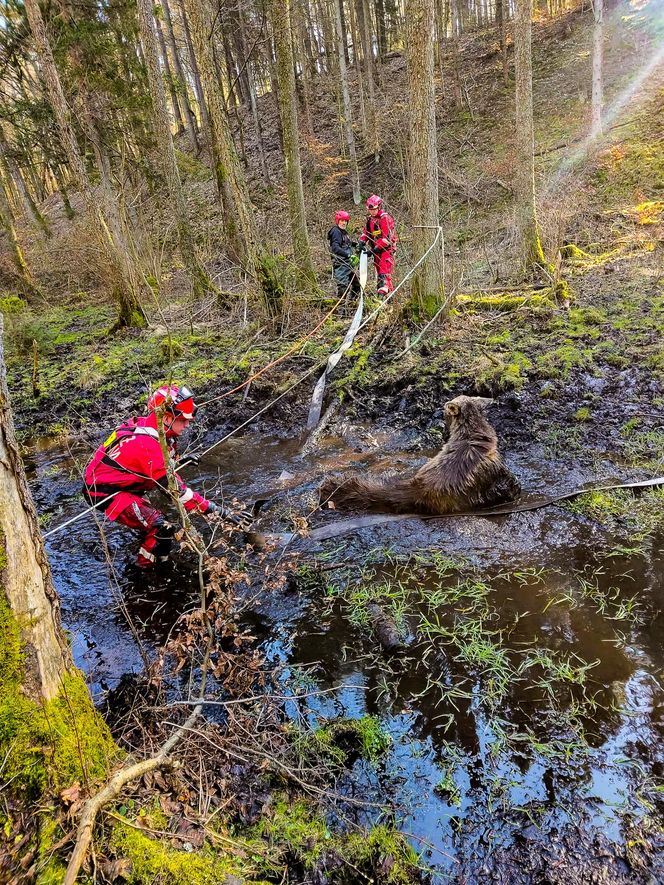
(341, 245)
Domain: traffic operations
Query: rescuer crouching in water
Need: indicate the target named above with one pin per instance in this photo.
(131, 463)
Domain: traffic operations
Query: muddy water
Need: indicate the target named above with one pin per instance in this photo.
(531, 743)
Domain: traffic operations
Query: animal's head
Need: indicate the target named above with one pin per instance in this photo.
(462, 406)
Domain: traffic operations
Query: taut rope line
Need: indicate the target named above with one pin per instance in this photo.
(309, 372)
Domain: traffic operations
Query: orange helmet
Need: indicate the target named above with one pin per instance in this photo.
(374, 202)
(178, 400)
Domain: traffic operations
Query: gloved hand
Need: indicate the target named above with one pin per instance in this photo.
(191, 458)
(242, 518)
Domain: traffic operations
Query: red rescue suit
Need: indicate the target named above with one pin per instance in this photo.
(131, 463)
(380, 236)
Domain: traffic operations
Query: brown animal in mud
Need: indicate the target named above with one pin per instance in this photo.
(467, 474)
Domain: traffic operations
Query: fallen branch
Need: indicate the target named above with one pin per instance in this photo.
(112, 790)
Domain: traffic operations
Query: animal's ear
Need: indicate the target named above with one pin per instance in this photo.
(482, 401)
(452, 408)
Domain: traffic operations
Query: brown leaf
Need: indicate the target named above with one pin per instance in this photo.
(114, 870)
(71, 794)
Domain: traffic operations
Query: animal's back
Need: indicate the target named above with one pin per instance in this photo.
(468, 473)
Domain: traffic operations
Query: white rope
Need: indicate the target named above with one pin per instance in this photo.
(313, 369)
(439, 233)
(184, 464)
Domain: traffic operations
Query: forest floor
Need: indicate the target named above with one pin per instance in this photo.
(517, 738)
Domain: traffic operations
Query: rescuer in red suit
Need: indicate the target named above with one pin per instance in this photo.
(380, 239)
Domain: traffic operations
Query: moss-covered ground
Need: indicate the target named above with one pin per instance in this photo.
(582, 350)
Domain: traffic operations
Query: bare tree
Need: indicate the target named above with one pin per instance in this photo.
(238, 214)
(127, 286)
(199, 279)
(364, 23)
(524, 174)
(8, 223)
(347, 121)
(428, 283)
(281, 29)
(181, 79)
(598, 57)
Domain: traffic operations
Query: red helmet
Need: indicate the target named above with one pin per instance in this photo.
(178, 400)
(341, 215)
(374, 202)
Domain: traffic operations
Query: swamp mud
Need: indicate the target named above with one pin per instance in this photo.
(520, 708)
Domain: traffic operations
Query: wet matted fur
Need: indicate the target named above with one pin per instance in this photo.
(467, 474)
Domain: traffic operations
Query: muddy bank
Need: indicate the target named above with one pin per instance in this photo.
(524, 713)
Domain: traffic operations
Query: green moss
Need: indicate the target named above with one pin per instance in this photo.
(299, 830)
(506, 375)
(572, 252)
(370, 851)
(582, 414)
(190, 167)
(153, 861)
(47, 746)
(363, 735)
(503, 337)
(559, 362)
(359, 371)
(12, 304)
(506, 301)
(631, 514)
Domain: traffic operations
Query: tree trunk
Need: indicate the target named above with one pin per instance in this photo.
(258, 132)
(7, 222)
(200, 95)
(357, 54)
(379, 8)
(347, 121)
(364, 18)
(238, 212)
(13, 170)
(524, 173)
(456, 66)
(63, 189)
(598, 55)
(238, 41)
(300, 32)
(428, 283)
(339, 10)
(199, 279)
(26, 586)
(281, 28)
(170, 79)
(182, 80)
(501, 21)
(126, 287)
